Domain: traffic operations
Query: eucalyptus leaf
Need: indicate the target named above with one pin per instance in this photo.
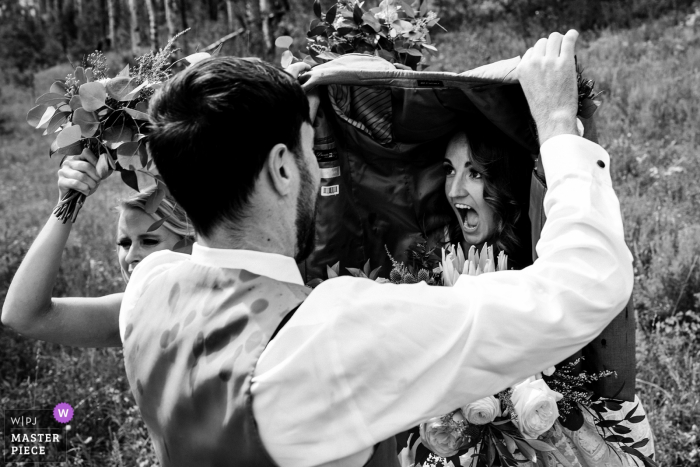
(58, 87)
(125, 71)
(57, 120)
(119, 87)
(317, 8)
(75, 103)
(137, 115)
(134, 93)
(369, 20)
(79, 75)
(36, 114)
(89, 75)
(407, 9)
(331, 273)
(129, 177)
(104, 166)
(414, 52)
(92, 96)
(88, 122)
(331, 13)
(315, 22)
(51, 98)
(154, 200)
(70, 150)
(183, 246)
(127, 154)
(539, 445)
(157, 224)
(318, 30)
(68, 136)
(357, 14)
(287, 58)
(284, 42)
(117, 134)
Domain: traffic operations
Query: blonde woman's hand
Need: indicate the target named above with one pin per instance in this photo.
(78, 173)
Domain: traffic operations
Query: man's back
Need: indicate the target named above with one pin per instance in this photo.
(191, 343)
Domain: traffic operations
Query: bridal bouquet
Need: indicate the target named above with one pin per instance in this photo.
(396, 30)
(106, 117)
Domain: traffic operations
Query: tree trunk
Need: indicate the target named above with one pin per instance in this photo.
(152, 25)
(230, 13)
(213, 9)
(134, 28)
(255, 40)
(267, 32)
(79, 11)
(112, 15)
(174, 18)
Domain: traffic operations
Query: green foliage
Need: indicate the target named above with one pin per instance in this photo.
(648, 123)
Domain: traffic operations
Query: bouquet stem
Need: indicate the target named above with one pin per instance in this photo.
(69, 206)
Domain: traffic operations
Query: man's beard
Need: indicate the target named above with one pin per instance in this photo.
(306, 214)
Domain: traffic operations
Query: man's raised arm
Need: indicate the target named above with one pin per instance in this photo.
(361, 361)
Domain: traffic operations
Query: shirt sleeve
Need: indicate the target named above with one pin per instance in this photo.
(361, 361)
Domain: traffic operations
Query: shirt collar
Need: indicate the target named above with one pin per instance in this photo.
(278, 267)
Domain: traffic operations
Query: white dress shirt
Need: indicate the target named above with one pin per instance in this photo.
(361, 361)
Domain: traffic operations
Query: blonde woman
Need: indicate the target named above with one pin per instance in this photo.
(30, 308)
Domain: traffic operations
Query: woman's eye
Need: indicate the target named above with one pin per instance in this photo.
(124, 244)
(474, 174)
(150, 242)
(448, 170)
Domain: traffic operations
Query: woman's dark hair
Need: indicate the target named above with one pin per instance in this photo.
(212, 128)
(505, 168)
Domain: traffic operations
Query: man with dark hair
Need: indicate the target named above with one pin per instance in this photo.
(221, 373)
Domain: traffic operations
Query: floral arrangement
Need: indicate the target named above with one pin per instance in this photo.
(504, 429)
(395, 30)
(105, 117)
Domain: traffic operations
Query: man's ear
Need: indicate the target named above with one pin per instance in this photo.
(279, 167)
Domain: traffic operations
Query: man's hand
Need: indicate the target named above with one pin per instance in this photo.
(295, 69)
(547, 73)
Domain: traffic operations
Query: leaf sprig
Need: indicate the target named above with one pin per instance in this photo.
(103, 118)
(396, 30)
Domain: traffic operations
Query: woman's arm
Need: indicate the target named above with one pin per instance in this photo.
(29, 307)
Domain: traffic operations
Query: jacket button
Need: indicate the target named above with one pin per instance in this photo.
(601, 164)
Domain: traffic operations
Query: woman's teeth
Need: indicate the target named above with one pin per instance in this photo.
(470, 219)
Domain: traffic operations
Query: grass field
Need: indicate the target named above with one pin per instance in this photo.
(648, 123)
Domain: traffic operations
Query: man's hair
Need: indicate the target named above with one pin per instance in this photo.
(212, 128)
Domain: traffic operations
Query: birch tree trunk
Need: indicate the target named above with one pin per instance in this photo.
(152, 25)
(267, 32)
(112, 16)
(174, 19)
(134, 28)
(255, 42)
(230, 13)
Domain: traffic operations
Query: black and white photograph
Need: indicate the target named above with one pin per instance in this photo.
(344, 233)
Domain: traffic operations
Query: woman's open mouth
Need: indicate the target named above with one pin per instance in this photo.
(468, 217)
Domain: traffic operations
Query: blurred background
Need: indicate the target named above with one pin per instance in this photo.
(643, 54)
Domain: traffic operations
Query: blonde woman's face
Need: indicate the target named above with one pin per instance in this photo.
(135, 242)
(464, 187)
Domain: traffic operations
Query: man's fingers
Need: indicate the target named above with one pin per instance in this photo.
(568, 44)
(526, 55)
(554, 44)
(295, 69)
(540, 47)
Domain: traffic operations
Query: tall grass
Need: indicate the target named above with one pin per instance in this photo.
(648, 123)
